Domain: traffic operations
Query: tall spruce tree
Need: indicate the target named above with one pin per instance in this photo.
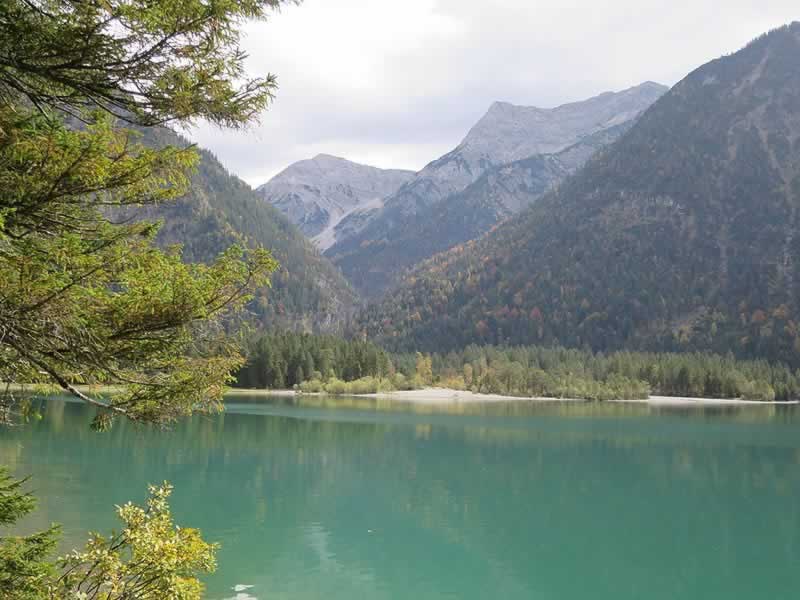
(25, 569)
(85, 298)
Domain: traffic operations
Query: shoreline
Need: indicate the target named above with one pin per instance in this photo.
(445, 396)
(681, 401)
(449, 396)
(433, 396)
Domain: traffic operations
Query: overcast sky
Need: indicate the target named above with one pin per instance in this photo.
(397, 84)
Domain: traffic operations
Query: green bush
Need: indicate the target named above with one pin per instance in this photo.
(312, 387)
(334, 386)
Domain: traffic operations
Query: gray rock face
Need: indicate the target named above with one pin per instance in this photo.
(508, 133)
(511, 187)
(317, 194)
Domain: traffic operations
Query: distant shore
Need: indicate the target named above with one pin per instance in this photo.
(444, 396)
(678, 401)
(432, 395)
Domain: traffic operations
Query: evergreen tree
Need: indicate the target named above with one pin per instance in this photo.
(87, 298)
(25, 567)
(84, 298)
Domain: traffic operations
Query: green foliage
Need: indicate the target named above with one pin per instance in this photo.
(86, 297)
(423, 368)
(25, 568)
(158, 62)
(336, 366)
(144, 62)
(681, 236)
(538, 372)
(364, 385)
(150, 559)
(85, 300)
(275, 360)
(581, 374)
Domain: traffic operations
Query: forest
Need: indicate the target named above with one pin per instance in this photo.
(283, 359)
(322, 363)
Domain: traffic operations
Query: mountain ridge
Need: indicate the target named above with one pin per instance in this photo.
(574, 120)
(385, 245)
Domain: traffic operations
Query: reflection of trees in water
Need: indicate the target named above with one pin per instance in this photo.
(448, 484)
(521, 408)
(510, 495)
(734, 493)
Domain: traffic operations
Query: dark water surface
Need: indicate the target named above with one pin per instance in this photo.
(374, 500)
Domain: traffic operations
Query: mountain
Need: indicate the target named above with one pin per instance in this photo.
(463, 216)
(683, 234)
(554, 142)
(307, 292)
(317, 194)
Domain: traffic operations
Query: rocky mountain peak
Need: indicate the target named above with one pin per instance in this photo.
(509, 132)
(317, 193)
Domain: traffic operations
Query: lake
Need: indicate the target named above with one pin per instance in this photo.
(351, 499)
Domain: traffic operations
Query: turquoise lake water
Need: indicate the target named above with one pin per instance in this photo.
(360, 499)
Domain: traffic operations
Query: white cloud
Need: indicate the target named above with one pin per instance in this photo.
(400, 83)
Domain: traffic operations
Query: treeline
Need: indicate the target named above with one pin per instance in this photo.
(561, 372)
(329, 364)
(284, 359)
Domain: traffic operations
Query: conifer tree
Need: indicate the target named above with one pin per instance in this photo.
(25, 566)
(83, 298)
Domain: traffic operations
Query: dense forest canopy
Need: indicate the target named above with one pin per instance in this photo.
(283, 359)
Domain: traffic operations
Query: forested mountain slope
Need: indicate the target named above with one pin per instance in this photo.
(552, 142)
(318, 193)
(308, 292)
(500, 192)
(681, 235)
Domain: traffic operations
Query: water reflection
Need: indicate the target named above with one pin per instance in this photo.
(360, 500)
(258, 403)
